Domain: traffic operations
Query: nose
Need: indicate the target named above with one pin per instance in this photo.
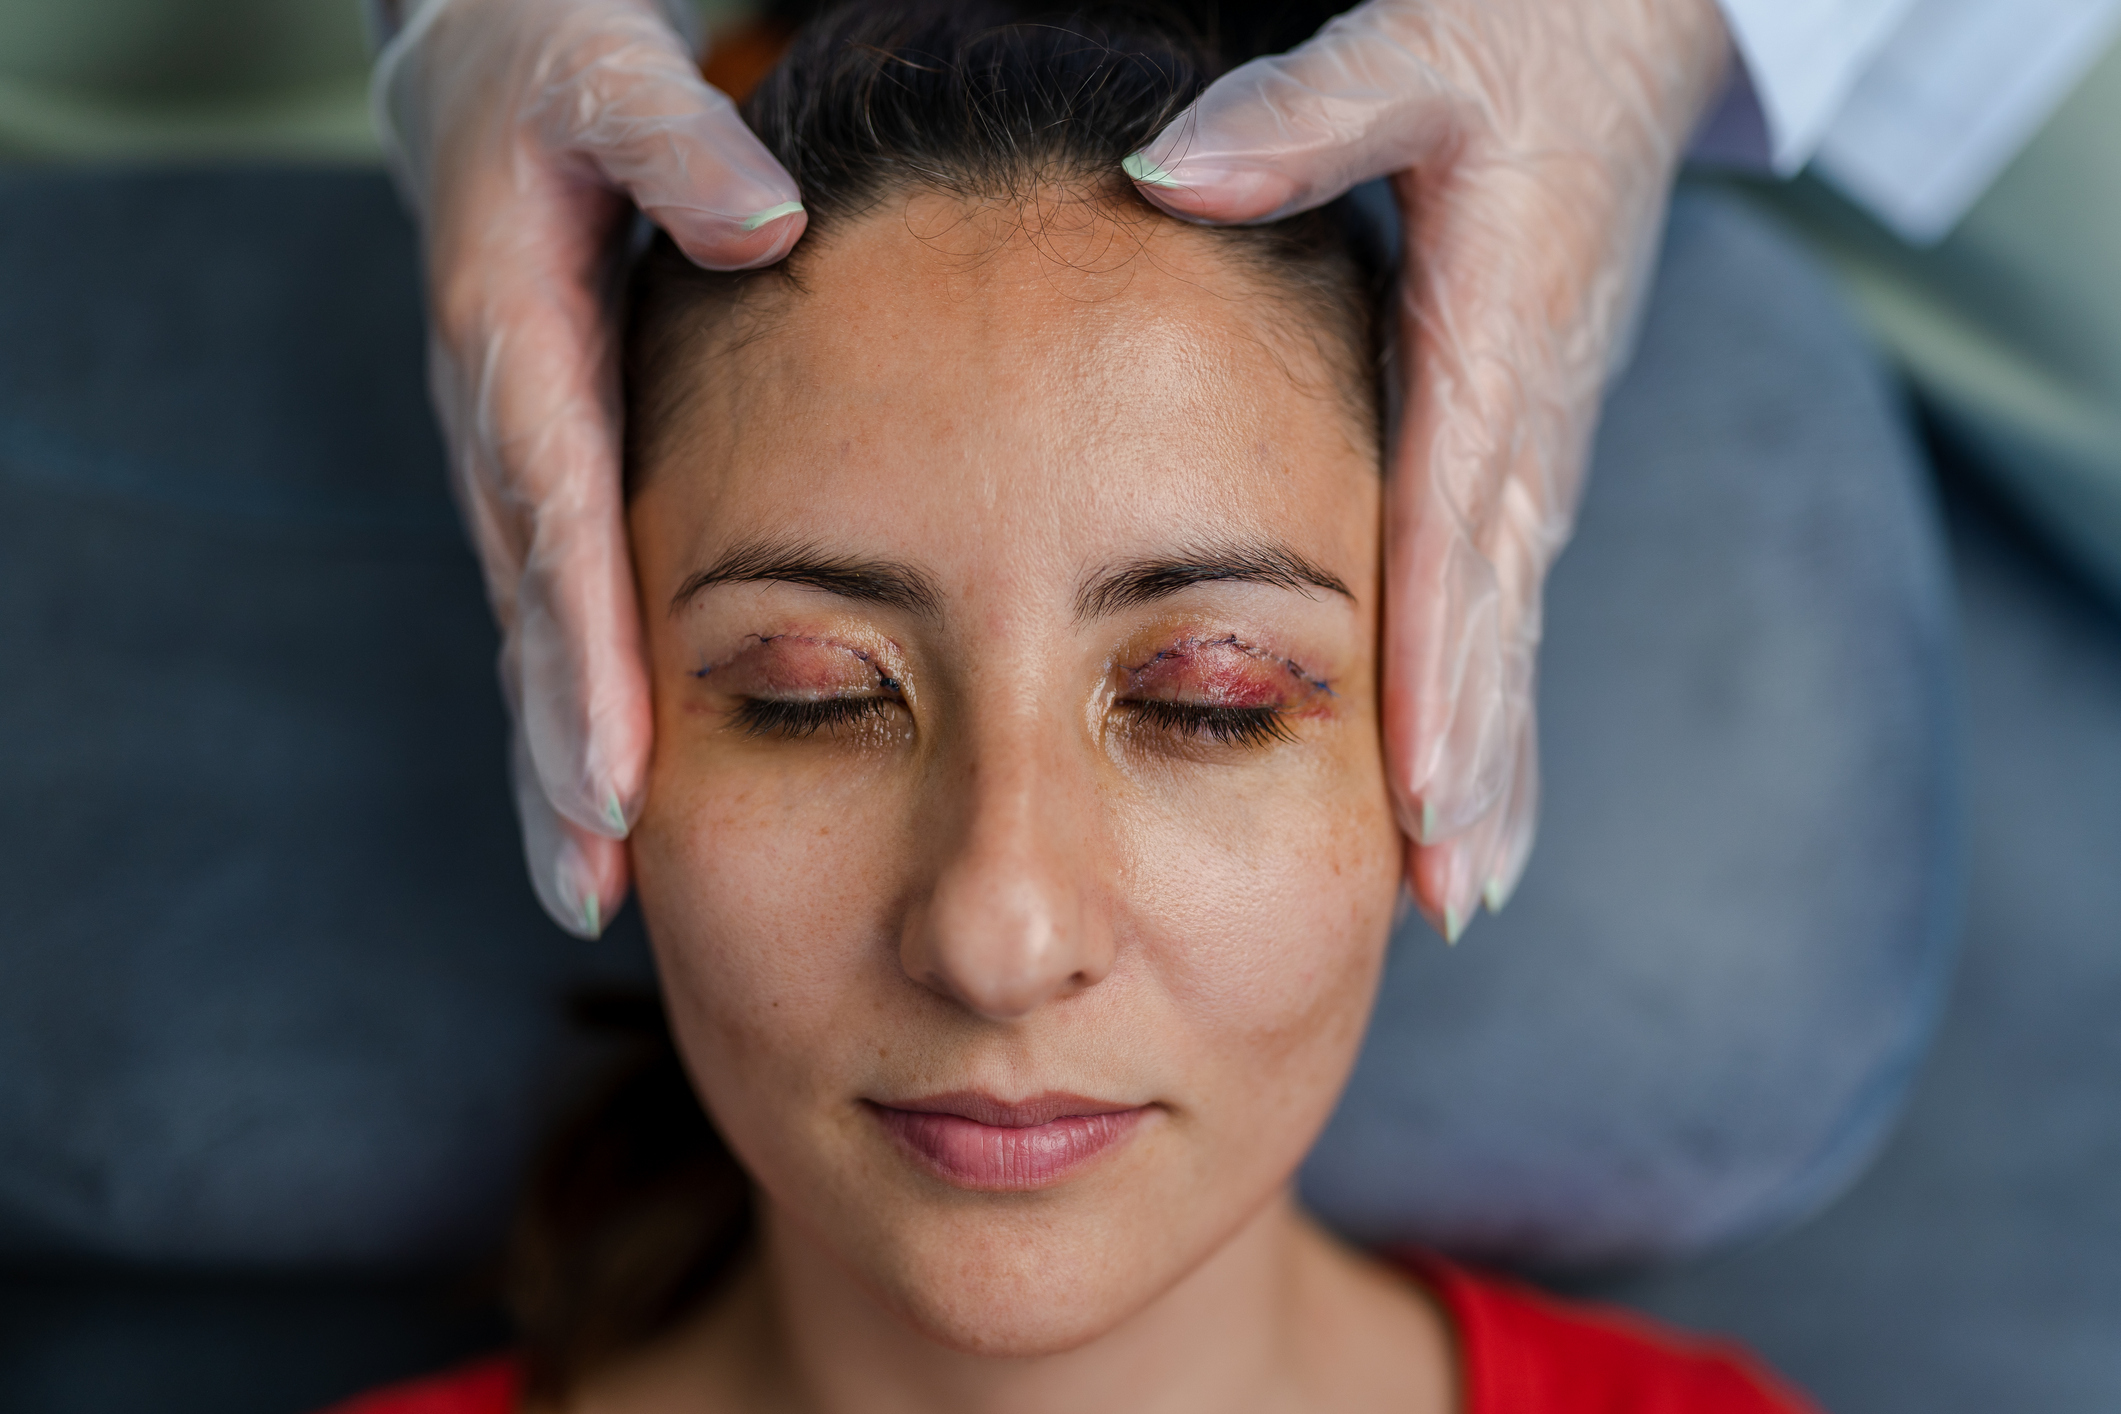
(1015, 918)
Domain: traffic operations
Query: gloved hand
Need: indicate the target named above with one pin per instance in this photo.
(1532, 145)
(519, 129)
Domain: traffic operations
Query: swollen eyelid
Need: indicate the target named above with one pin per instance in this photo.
(1226, 672)
(799, 663)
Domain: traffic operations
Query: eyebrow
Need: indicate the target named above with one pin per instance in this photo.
(886, 582)
(1142, 582)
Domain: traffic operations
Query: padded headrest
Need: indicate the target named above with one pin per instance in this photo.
(274, 988)
(1700, 1015)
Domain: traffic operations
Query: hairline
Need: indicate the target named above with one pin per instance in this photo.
(1299, 303)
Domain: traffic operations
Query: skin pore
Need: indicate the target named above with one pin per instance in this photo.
(1017, 853)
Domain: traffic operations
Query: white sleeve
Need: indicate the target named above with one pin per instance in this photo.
(1911, 107)
(1801, 60)
(1962, 86)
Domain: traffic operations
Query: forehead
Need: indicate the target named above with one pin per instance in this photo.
(1081, 372)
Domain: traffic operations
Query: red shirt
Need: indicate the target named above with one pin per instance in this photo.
(1520, 1351)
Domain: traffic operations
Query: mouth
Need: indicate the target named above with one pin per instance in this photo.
(976, 1141)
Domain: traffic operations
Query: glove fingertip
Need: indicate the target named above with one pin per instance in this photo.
(713, 241)
(1210, 193)
(586, 885)
(1495, 893)
(1445, 885)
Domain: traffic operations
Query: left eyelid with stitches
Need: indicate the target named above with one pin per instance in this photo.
(883, 678)
(1289, 665)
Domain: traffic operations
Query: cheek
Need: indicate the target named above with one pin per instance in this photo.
(1272, 909)
(765, 901)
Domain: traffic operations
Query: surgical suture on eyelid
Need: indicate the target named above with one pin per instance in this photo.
(1185, 648)
(883, 679)
(1188, 647)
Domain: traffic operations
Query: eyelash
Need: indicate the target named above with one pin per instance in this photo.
(767, 716)
(1231, 726)
(1228, 726)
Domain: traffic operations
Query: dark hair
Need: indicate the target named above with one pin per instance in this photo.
(992, 102)
(636, 1209)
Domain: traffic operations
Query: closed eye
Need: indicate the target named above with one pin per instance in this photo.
(1230, 726)
(801, 717)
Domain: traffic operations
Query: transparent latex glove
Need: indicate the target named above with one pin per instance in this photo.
(1532, 145)
(524, 132)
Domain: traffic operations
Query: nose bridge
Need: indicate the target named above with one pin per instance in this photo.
(1008, 775)
(1013, 920)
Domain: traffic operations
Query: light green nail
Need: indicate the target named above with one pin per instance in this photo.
(1454, 926)
(615, 816)
(593, 916)
(1428, 824)
(1142, 170)
(1495, 895)
(771, 213)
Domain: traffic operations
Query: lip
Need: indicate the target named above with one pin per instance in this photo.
(976, 1141)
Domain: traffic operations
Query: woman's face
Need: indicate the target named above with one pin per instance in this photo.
(1017, 852)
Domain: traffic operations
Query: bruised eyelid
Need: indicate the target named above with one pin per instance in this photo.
(775, 656)
(1225, 662)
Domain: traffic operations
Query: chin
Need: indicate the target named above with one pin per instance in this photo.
(1017, 1300)
(1020, 1288)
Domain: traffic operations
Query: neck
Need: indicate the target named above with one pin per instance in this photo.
(1210, 1343)
(1279, 1318)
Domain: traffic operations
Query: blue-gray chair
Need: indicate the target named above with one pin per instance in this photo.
(279, 1017)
